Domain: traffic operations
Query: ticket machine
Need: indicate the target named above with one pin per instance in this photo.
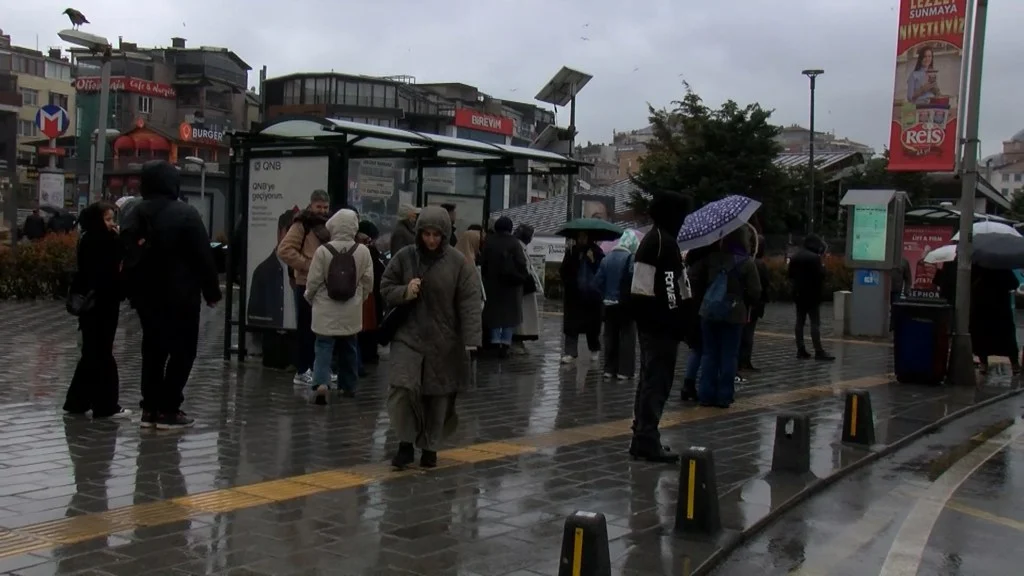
(874, 250)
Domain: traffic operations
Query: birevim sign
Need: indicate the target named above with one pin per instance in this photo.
(203, 133)
(474, 120)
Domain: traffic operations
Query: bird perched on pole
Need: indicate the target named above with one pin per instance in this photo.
(76, 17)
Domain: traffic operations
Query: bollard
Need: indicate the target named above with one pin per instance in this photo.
(585, 546)
(792, 451)
(697, 508)
(858, 419)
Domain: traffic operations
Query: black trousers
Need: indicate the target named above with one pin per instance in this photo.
(805, 311)
(658, 356)
(170, 339)
(95, 385)
(747, 343)
(304, 337)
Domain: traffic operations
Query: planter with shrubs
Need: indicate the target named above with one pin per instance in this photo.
(40, 269)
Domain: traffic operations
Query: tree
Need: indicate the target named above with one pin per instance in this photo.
(1017, 207)
(709, 153)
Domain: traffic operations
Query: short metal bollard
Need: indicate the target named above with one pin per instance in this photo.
(585, 546)
(697, 509)
(858, 419)
(792, 450)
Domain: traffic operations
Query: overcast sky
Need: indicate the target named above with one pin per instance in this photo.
(638, 52)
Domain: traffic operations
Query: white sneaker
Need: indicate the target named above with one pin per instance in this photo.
(595, 356)
(303, 378)
(568, 359)
(609, 376)
(123, 414)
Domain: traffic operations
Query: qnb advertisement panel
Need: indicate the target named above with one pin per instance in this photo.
(278, 189)
(929, 55)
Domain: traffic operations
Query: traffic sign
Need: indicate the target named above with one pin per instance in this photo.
(52, 121)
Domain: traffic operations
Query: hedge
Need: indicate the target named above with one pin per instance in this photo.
(837, 277)
(40, 269)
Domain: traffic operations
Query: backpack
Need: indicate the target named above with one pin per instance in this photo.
(718, 303)
(342, 276)
(139, 266)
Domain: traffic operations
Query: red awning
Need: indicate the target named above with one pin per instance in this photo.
(124, 143)
(142, 141)
(158, 143)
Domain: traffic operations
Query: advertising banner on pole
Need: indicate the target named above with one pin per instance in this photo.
(929, 56)
(278, 189)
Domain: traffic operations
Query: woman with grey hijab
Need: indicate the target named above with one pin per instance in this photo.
(436, 293)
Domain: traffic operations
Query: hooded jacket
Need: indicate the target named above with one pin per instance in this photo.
(807, 271)
(655, 293)
(617, 269)
(179, 242)
(335, 317)
(300, 243)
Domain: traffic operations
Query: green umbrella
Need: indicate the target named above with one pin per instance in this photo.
(597, 230)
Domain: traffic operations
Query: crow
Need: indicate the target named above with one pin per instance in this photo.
(76, 17)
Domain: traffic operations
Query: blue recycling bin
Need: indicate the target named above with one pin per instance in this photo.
(921, 339)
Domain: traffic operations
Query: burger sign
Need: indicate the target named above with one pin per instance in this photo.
(202, 133)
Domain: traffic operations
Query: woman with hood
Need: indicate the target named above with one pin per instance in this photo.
(614, 281)
(581, 302)
(338, 322)
(95, 385)
(439, 293)
(505, 270)
(529, 329)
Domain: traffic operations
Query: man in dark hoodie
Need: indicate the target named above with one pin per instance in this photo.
(657, 304)
(807, 276)
(173, 271)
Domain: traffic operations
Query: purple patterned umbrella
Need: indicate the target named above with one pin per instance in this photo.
(715, 220)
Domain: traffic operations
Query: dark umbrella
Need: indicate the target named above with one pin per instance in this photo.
(596, 229)
(998, 251)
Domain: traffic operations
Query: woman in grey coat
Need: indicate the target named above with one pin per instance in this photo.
(429, 360)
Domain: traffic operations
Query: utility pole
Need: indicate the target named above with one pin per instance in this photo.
(812, 75)
(962, 360)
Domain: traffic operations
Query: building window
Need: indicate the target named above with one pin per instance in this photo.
(389, 97)
(351, 94)
(307, 91)
(1016, 177)
(365, 94)
(1006, 177)
(58, 71)
(292, 92)
(320, 92)
(1005, 191)
(145, 105)
(29, 97)
(58, 99)
(27, 128)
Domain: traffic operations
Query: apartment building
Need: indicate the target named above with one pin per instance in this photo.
(42, 78)
(1005, 171)
(797, 139)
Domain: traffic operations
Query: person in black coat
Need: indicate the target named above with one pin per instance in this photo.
(95, 385)
(581, 301)
(369, 234)
(269, 281)
(756, 311)
(505, 271)
(807, 276)
(34, 227)
(180, 274)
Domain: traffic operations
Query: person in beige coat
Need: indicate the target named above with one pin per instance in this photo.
(338, 322)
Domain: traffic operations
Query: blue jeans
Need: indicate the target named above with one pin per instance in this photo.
(348, 369)
(693, 359)
(721, 348)
(502, 335)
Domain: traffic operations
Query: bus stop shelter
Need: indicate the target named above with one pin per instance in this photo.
(275, 169)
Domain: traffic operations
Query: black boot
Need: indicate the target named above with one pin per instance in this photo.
(659, 454)
(428, 459)
(689, 390)
(823, 356)
(803, 354)
(406, 455)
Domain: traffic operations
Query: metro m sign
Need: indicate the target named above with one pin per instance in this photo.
(469, 118)
(52, 121)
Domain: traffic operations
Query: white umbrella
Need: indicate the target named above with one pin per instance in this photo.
(942, 254)
(988, 227)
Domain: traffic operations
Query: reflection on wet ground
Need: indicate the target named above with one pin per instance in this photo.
(267, 484)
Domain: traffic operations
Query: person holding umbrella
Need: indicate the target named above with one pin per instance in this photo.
(581, 299)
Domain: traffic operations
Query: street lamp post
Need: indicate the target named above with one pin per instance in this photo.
(96, 45)
(812, 75)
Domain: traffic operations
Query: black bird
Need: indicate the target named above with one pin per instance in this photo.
(76, 17)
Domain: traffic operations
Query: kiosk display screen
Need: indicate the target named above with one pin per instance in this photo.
(870, 226)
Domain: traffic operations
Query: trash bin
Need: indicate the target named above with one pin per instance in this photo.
(921, 338)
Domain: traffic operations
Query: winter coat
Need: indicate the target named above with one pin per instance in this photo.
(581, 305)
(743, 285)
(657, 302)
(428, 352)
(179, 242)
(335, 317)
(300, 243)
(99, 257)
(529, 329)
(403, 235)
(505, 270)
(807, 272)
(615, 270)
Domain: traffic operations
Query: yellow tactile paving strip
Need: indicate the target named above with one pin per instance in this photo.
(81, 528)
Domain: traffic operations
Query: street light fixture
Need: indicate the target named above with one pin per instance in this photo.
(559, 91)
(812, 75)
(96, 45)
(197, 161)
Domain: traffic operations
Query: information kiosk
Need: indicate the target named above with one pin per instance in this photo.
(874, 250)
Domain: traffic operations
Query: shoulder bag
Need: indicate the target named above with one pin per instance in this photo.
(397, 316)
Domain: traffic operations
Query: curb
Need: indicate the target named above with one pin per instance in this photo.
(731, 544)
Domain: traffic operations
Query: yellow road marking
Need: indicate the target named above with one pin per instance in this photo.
(983, 515)
(65, 531)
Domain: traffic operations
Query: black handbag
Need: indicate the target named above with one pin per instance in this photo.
(397, 316)
(78, 304)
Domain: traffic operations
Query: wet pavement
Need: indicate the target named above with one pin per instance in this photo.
(266, 484)
(946, 504)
